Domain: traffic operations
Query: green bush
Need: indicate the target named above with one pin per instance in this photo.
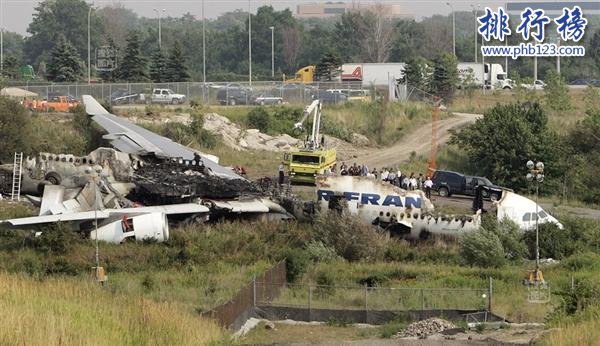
(319, 253)
(350, 237)
(510, 236)
(325, 284)
(259, 118)
(584, 261)
(554, 242)
(296, 261)
(481, 248)
(584, 294)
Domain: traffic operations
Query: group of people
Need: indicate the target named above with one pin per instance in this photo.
(393, 176)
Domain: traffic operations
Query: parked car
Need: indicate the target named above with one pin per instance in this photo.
(234, 95)
(448, 183)
(124, 96)
(537, 85)
(167, 96)
(266, 99)
(330, 97)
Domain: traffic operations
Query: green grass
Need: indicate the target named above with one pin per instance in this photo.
(59, 311)
(309, 334)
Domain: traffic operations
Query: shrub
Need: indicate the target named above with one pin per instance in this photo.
(481, 248)
(554, 242)
(584, 261)
(57, 239)
(296, 261)
(259, 118)
(349, 236)
(318, 252)
(510, 236)
(577, 298)
(325, 283)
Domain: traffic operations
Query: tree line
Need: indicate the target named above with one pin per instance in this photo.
(365, 36)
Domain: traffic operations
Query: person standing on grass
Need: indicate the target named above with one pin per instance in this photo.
(281, 173)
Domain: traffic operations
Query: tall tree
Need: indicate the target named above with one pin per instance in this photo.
(158, 67)
(349, 36)
(11, 68)
(418, 73)
(64, 65)
(133, 66)
(327, 67)
(445, 76)
(176, 70)
(66, 17)
(15, 129)
(505, 138)
(377, 34)
(594, 48)
(292, 43)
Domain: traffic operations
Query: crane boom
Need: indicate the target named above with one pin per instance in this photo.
(314, 108)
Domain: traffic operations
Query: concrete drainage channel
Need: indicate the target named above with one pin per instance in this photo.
(291, 315)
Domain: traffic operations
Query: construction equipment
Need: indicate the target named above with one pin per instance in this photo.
(16, 180)
(61, 104)
(312, 159)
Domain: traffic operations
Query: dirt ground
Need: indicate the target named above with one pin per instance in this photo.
(362, 335)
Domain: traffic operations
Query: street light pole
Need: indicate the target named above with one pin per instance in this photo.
(453, 28)
(89, 59)
(475, 13)
(203, 49)
(272, 51)
(1, 35)
(536, 172)
(159, 14)
(249, 45)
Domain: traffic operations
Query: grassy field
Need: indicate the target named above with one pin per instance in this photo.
(59, 311)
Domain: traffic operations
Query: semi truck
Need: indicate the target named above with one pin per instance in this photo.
(492, 76)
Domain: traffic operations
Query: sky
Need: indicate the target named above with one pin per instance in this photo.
(16, 14)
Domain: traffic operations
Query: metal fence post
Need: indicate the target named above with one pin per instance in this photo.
(366, 304)
(254, 291)
(422, 303)
(490, 295)
(309, 302)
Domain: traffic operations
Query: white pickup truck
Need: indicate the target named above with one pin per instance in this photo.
(167, 96)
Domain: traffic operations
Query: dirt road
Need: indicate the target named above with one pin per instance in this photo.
(418, 141)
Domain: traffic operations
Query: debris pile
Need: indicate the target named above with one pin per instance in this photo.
(425, 328)
(237, 138)
(161, 181)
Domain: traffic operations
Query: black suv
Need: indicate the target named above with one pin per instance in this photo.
(234, 95)
(447, 183)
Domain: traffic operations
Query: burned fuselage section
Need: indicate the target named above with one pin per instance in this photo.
(404, 213)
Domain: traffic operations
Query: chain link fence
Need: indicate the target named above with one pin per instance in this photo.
(211, 93)
(378, 298)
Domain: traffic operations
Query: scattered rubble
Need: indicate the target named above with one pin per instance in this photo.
(425, 328)
(237, 138)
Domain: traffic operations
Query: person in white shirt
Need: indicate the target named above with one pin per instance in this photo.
(428, 185)
(385, 174)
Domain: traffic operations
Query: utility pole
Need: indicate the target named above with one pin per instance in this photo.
(272, 51)
(1, 36)
(89, 59)
(159, 14)
(203, 50)
(249, 45)
(453, 28)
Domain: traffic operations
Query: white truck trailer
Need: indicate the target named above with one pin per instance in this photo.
(376, 74)
(490, 75)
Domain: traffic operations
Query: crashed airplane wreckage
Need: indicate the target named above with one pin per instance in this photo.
(408, 214)
(149, 181)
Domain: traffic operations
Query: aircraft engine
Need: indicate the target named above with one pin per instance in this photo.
(148, 226)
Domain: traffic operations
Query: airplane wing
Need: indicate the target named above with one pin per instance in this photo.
(133, 139)
(174, 209)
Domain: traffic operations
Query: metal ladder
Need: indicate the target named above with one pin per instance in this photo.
(16, 181)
